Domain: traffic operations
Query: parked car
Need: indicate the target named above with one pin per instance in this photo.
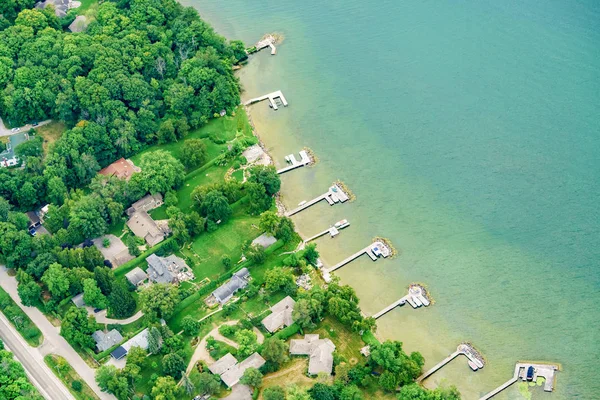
(32, 231)
(15, 130)
(35, 123)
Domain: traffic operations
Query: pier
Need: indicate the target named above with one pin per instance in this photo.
(374, 250)
(271, 97)
(547, 371)
(332, 230)
(269, 41)
(474, 360)
(305, 159)
(334, 195)
(416, 297)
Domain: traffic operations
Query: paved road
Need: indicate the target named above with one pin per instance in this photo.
(4, 131)
(40, 375)
(53, 342)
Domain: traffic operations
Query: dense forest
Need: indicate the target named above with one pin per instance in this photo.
(144, 72)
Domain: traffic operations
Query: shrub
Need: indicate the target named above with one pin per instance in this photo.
(77, 386)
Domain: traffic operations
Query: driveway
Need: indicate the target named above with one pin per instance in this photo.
(240, 392)
(53, 342)
(202, 354)
(38, 372)
(4, 131)
(101, 317)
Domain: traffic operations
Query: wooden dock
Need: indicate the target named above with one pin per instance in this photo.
(304, 160)
(374, 250)
(366, 250)
(547, 371)
(269, 41)
(271, 97)
(416, 297)
(334, 195)
(332, 230)
(475, 360)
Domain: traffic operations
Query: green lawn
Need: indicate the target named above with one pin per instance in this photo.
(68, 375)
(238, 175)
(20, 320)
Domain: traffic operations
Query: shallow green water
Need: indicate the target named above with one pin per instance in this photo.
(469, 132)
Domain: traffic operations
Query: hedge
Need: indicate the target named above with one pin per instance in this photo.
(285, 333)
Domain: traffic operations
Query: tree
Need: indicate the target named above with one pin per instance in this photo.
(190, 325)
(187, 385)
(215, 206)
(267, 177)
(136, 356)
(173, 365)
(274, 393)
(92, 295)
(193, 154)
(321, 391)
(285, 230)
(160, 173)
(297, 393)
(15, 384)
(251, 377)
(351, 392)
(154, 340)
(121, 301)
(159, 299)
(57, 280)
(259, 199)
(275, 350)
(57, 190)
(311, 254)
(77, 327)
(104, 375)
(86, 217)
(29, 293)
(417, 392)
(105, 279)
(132, 246)
(208, 383)
(226, 261)
(256, 253)
(388, 381)
(165, 388)
(269, 222)
(307, 312)
(280, 279)
(247, 341)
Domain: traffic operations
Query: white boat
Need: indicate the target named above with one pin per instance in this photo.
(303, 202)
(343, 222)
(473, 366)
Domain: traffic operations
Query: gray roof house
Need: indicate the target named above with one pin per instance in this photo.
(171, 269)
(61, 7)
(136, 276)
(139, 340)
(281, 315)
(238, 281)
(320, 352)
(78, 300)
(146, 203)
(229, 369)
(105, 341)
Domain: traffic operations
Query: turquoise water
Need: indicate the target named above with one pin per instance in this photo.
(469, 132)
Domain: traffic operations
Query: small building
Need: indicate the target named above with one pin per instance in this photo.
(231, 371)
(265, 240)
(79, 24)
(105, 341)
(139, 340)
(281, 315)
(171, 269)
(136, 276)
(78, 300)
(122, 168)
(238, 281)
(320, 352)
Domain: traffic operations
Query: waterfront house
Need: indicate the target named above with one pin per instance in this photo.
(320, 352)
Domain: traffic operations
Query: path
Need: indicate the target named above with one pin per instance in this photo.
(53, 342)
(38, 372)
(101, 317)
(4, 131)
(201, 353)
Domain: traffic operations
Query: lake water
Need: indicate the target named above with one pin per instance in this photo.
(470, 133)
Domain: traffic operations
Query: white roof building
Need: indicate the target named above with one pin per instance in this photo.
(280, 316)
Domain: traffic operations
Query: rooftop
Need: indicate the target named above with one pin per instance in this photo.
(171, 269)
(122, 169)
(238, 281)
(320, 352)
(136, 276)
(281, 315)
(231, 371)
(105, 341)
